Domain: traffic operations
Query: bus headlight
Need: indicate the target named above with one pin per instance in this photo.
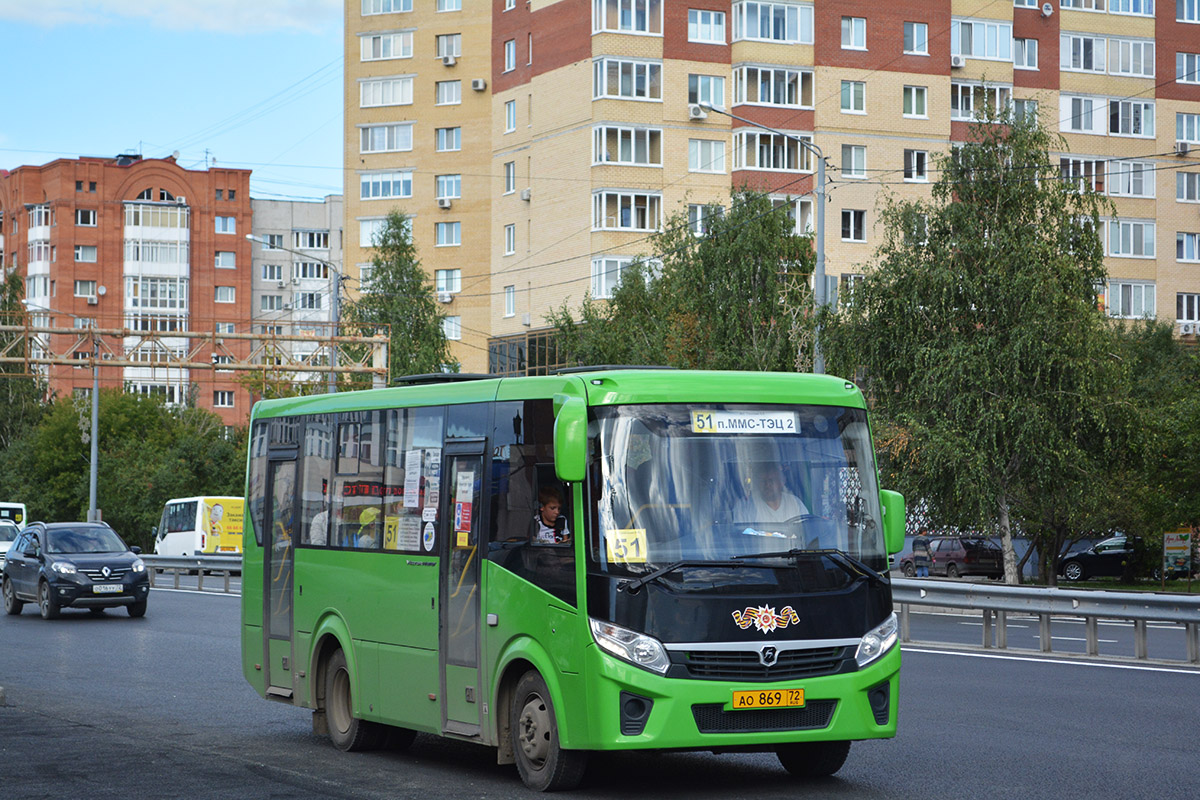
(636, 648)
(878, 640)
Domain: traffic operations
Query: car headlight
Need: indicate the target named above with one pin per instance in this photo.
(878, 640)
(63, 567)
(139, 565)
(636, 648)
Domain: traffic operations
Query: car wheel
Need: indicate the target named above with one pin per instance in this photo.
(543, 764)
(137, 609)
(951, 570)
(813, 759)
(909, 570)
(47, 602)
(11, 604)
(346, 731)
(1073, 571)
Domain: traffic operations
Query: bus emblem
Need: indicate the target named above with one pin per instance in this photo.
(768, 656)
(765, 619)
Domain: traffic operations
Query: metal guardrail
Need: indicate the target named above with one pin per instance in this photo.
(996, 602)
(219, 565)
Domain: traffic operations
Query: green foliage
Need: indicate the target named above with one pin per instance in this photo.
(401, 296)
(993, 372)
(148, 454)
(21, 404)
(735, 298)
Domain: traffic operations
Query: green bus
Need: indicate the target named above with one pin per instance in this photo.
(605, 559)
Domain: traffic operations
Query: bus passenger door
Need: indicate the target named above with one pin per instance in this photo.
(278, 551)
(462, 694)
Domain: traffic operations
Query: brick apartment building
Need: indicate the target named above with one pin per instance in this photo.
(136, 244)
(538, 144)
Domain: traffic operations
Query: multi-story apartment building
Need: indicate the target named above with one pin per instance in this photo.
(588, 130)
(140, 245)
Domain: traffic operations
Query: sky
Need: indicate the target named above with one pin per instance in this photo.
(251, 84)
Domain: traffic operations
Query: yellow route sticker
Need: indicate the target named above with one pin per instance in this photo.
(626, 546)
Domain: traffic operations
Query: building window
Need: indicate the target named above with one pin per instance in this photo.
(310, 240)
(1130, 300)
(271, 302)
(1142, 8)
(706, 27)
(272, 272)
(385, 6)
(1131, 118)
(854, 33)
(510, 55)
(449, 44)
(700, 217)
(224, 327)
(225, 259)
(628, 80)
(85, 253)
(854, 225)
(380, 185)
(385, 92)
(1187, 307)
(627, 16)
(225, 294)
(1187, 67)
(914, 101)
(510, 239)
(386, 138)
(916, 38)
(854, 161)
(1131, 178)
(310, 270)
(1187, 248)
(308, 301)
(1025, 110)
(632, 146)
(1083, 174)
(706, 155)
(915, 168)
(387, 46)
(1187, 187)
(981, 39)
(968, 100)
(706, 89)
(449, 234)
(449, 5)
(510, 177)
(274, 241)
(449, 93)
(222, 399)
(1081, 53)
(510, 116)
(509, 5)
(510, 301)
(773, 86)
(770, 151)
(1025, 53)
(791, 23)
(448, 280)
(1080, 114)
(449, 186)
(452, 327)
(85, 288)
(1187, 126)
(626, 211)
(369, 231)
(449, 139)
(854, 95)
(606, 275)
(226, 224)
(1131, 57)
(1187, 10)
(85, 217)
(1131, 239)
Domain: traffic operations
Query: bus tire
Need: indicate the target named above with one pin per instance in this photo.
(398, 739)
(544, 765)
(813, 759)
(346, 731)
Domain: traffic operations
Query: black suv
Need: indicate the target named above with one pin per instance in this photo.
(77, 564)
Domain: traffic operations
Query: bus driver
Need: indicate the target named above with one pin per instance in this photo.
(770, 500)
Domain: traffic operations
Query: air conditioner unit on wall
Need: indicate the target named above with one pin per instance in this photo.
(181, 200)
(696, 112)
(93, 300)
(444, 202)
(445, 297)
(1182, 147)
(958, 62)
(479, 84)
(526, 194)
(449, 61)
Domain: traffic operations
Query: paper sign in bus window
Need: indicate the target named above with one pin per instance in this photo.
(412, 478)
(626, 546)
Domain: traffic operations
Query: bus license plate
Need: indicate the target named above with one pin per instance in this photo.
(771, 698)
(106, 588)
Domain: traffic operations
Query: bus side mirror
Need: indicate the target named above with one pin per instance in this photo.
(893, 520)
(570, 440)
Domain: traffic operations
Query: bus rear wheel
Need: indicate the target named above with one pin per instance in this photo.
(813, 759)
(346, 731)
(543, 764)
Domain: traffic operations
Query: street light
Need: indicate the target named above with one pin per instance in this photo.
(335, 277)
(819, 271)
(93, 512)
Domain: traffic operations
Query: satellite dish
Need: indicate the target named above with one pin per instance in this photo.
(175, 155)
(1047, 9)
(102, 290)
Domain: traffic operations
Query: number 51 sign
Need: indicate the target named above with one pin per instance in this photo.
(626, 546)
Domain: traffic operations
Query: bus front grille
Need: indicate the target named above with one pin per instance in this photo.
(743, 665)
(713, 718)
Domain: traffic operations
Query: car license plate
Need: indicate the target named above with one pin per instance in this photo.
(106, 588)
(770, 698)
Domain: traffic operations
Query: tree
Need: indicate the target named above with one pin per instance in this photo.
(733, 298)
(994, 374)
(400, 295)
(21, 395)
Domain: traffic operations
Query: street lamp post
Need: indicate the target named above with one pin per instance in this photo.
(93, 511)
(335, 277)
(819, 294)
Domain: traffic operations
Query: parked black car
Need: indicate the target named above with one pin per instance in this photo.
(959, 555)
(73, 564)
(1107, 559)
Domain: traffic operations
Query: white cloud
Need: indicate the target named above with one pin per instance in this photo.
(226, 16)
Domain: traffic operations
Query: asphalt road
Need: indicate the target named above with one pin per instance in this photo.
(112, 707)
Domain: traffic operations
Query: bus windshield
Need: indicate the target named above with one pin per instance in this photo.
(714, 482)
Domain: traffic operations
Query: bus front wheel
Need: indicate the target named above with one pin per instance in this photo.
(543, 764)
(346, 731)
(813, 759)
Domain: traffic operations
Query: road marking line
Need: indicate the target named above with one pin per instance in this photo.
(195, 591)
(1061, 661)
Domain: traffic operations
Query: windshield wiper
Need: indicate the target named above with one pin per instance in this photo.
(847, 562)
(633, 586)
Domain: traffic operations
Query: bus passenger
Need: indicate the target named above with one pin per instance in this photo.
(549, 524)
